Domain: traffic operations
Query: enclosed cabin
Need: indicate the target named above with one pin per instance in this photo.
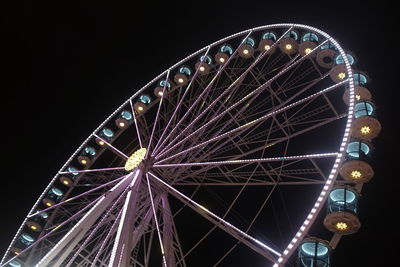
(53, 196)
(182, 77)
(356, 168)
(309, 41)
(70, 176)
(342, 208)
(124, 119)
(289, 44)
(224, 52)
(365, 125)
(246, 49)
(14, 263)
(37, 222)
(141, 105)
(24, 240)
(162, 88)
(86, 155)
(204, 64)
(325, 55)
(314, 252)
(106, 134)
(267, 42)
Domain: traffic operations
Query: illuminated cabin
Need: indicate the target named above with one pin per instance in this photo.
(25, 240)
(124, 119)
(107, 134)
(340, 60)
(246, 49)
(289, 44)
(365, 124)
(308, 42)
(203, 65)
(182, 77)
(342, 211)
(159, 90)
(356, 167)
(267, 42)
(37, 222)
(68, 179)
(326, 54)
(314, 252)
(86, 155)
(14, 263)
(360, 93)
(141, 105)
(225, 51)
(15, 250)
(338, 73)
(52, 197)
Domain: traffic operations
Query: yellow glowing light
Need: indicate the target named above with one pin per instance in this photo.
(84, 161)
(121, 124)
(267, 47)
(221, 59)
(180, 80)
(308, 50)
(49, 204)
(33, 227)
(341, 75)
(135, 159)
(358, 97)
(101, 143)
(140, 108)
(356, 174)
(288, 47)
(245, 51)
(160, 93)
(66, 182)
(365, 130)
(341, 226)
(202, 68)
(16, 252)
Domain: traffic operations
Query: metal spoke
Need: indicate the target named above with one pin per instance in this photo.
(246, 161)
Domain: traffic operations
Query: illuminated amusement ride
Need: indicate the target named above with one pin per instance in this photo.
(251, 151)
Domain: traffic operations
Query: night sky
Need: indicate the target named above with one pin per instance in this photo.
(68, 66)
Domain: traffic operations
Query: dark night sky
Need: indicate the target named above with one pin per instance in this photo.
(68, 66)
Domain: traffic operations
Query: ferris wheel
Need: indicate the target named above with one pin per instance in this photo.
(231, 156)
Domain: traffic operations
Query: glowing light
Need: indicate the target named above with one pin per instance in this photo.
(66, 182)
(122, 124)
(202, 68)
(160, 93)
(356, 174)
(140, 108)
(33, 227)
(358, 97)
(180, 80)
(84, 161)
(49, 204)
(341, 226)
(341, 75)
(365, 130)
(308, 50)
(135, 159)
(267, 47)
(245, 51)
(16, 252)
(221, 59)
(101, 143)
(288, 47)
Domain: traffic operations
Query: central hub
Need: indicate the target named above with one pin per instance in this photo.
(135, 159)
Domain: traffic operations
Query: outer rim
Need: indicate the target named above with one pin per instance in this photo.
(310, 218)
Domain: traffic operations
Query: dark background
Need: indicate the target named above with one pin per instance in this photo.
(67, 66)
